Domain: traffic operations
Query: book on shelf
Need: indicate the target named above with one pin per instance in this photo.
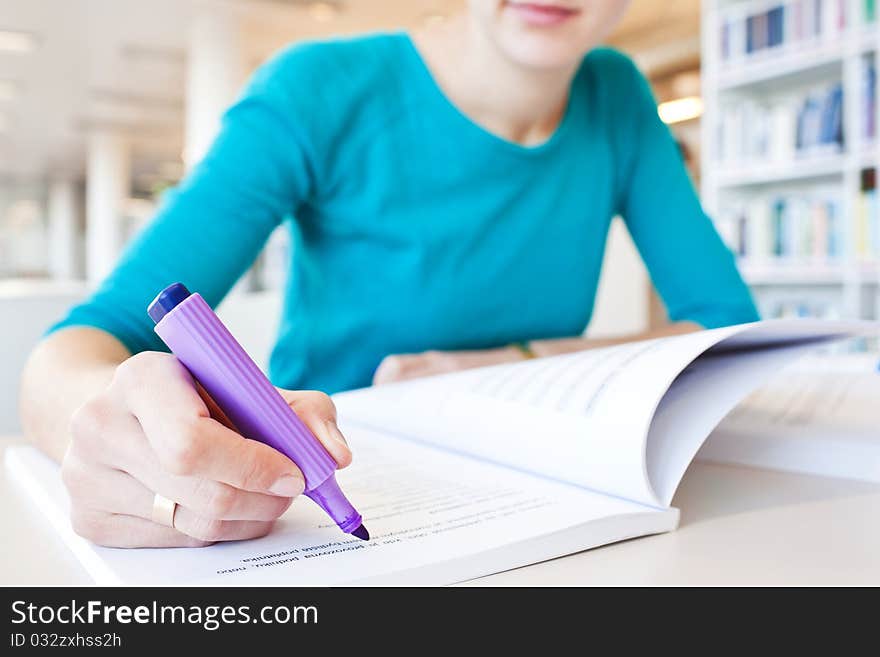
(820, 120)
(781, 129)
(868, 107)
(806, 226)
(867, 233)
(799, 305)
(750, 31)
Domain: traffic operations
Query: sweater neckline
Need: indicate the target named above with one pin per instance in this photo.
(429, 82)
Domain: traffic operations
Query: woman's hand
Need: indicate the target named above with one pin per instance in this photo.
(399, 367)
(149, 432)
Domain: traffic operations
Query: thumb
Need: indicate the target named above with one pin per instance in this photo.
(318, 413)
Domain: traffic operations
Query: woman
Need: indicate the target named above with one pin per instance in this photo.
(450, 195)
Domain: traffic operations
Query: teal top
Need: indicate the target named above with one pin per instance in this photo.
(412, 227)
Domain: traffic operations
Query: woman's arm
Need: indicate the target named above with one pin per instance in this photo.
(128, 427)
(400, 367)
(566, 345)
(206, 234)
(691, 267)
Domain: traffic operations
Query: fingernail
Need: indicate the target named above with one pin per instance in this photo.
(335, 433)
(288, 486)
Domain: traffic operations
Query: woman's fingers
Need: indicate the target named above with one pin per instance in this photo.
(213, 499)
(114, 496)
(318, 412)
(159, 391)
(205, 449)
(213, 531)
(120, 530)
(400, 367)
(101, 488)
(150, 432)
(391, 369)
(187, 441)
(124, 531)
(205, 496)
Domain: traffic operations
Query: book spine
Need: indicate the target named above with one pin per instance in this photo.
(803, 227)
(784, 24)
(811, 124)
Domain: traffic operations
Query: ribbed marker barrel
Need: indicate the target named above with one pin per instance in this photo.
(201, 342)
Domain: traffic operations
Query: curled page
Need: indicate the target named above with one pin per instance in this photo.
(597, 418)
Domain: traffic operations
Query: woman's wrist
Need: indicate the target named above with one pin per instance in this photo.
(523, 350)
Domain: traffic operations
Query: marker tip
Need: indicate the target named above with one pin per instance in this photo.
(362, 533)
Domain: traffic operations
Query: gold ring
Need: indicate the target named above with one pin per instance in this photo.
(163, 510)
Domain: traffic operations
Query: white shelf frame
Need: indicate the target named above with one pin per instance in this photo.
(859, 284)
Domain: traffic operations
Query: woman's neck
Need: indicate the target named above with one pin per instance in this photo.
(516, 103)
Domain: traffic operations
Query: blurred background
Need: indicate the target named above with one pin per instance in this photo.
(105, 104)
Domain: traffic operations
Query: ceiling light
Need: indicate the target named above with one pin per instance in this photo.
(322, 12)
(17, 42)
(681, 109)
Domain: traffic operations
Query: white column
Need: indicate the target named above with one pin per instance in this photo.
(63, 230)
(215, 72)
(108, 184)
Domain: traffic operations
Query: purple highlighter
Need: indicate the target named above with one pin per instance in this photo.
(205, 346)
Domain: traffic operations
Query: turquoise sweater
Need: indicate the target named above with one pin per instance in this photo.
(413, 228)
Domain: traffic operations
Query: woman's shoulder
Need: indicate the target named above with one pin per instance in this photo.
(331, 86)
(326, 67)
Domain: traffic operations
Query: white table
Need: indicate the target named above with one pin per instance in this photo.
(738, 526)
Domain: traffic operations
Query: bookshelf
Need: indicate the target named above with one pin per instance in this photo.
(791, 150)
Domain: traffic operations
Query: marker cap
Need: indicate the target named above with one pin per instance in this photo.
(167, 300)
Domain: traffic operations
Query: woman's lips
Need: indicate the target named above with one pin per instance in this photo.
(539, 14)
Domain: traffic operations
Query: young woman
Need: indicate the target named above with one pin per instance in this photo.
(448, 194)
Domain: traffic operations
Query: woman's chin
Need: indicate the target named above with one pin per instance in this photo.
(541, 51)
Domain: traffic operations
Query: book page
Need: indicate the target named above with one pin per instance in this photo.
(819, 416)
(580, 418)
(434, 518)
(698, 400)
(823, 392)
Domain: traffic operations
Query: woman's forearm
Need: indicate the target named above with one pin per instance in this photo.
(63, 372)
(399, 367)
(141, 434)
(556, 346)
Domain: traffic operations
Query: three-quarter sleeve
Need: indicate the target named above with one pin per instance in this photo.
(691, 267)
(209, 229)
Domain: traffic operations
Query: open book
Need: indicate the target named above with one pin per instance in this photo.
(818, 416)
(470, 473)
